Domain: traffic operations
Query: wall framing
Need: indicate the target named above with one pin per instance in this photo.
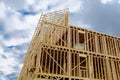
(59, 51)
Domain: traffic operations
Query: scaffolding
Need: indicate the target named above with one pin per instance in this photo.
(59, 51)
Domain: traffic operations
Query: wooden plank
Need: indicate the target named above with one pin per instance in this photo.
(113, 70)
(54, 55)
(108, 69)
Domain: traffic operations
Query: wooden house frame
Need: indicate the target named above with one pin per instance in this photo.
(59, 51)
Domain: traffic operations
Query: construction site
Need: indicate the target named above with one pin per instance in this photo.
(60, 51)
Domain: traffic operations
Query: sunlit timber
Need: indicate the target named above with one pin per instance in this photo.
(59, 51)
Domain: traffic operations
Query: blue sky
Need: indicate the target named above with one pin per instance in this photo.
(19, 18)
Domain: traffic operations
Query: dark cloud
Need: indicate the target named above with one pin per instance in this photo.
(16, 34)
(13, 76)
(25, 12)
(19, 50)
(101, 17)
(1, 26)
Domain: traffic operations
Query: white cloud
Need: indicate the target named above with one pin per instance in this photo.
(16, 41)
(1, 50)
(69, 4)
(50, 5)
(7, 64)
(109, 1)
(106, 1)
(14, 4)
(37, 5)
(3, 9)
(15, 22)
(29, 2)
(12, 23)
(2, 78)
